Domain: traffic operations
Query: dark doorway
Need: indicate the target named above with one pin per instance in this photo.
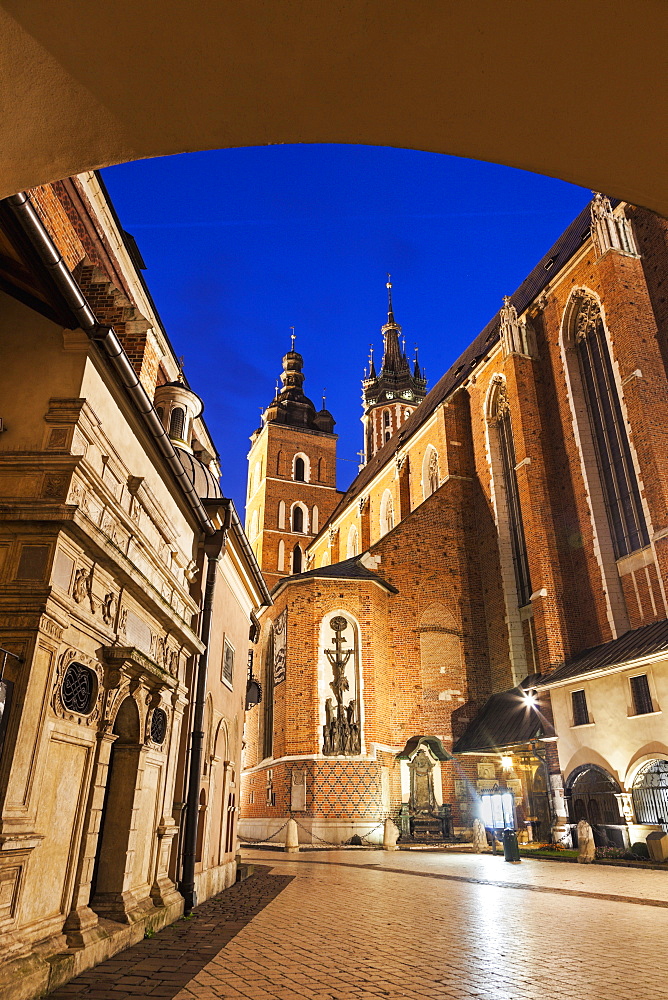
(108, 885)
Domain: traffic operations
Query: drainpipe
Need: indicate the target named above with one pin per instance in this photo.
(213, 547)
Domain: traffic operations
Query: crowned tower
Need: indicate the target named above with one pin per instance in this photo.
(390, 395)
(291, 475)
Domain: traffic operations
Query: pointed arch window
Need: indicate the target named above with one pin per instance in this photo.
(315, 519)
(300, 471)
(500, 416)
(386, 513)
(281, 556)
(619, 483)
(353, 542)
(297, 559)
(298, 519)
(281, 514)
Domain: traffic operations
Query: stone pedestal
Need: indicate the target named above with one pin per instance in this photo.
(291, 837)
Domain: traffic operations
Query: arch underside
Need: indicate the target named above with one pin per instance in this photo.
(467, 79)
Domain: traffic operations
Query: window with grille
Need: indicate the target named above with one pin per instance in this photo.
(228, 661)
(642, 699)
(580, 710)
(177, 422)
(621, 493)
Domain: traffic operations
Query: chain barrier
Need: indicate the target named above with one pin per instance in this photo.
(262, 840)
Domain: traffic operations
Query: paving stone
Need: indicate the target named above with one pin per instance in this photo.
(346, 926)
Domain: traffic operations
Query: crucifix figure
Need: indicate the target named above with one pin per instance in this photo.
(341, 732)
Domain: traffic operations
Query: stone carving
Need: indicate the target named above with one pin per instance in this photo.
(173, 666)
(123, 623)
(82, 587)
(362, 503)
(610, 231)
(341, 732)
(422, 783)
(586, 846)
(390, 835)
(69, 703)
(479, 836)
(588, 315)
(517, 335)
(55, 487)
(109, 608)
(58, 438)
(298, 789)
(280, 639)
(52, 628)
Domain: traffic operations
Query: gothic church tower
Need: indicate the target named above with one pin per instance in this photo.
(291, 476)
(390, 396)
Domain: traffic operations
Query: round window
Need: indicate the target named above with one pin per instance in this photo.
(79, 689)
(158, 726)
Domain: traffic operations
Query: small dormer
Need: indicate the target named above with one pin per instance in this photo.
(178, 406)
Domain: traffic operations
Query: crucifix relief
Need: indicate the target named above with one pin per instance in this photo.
(341, 732)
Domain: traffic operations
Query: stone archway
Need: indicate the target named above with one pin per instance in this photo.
(465, 79)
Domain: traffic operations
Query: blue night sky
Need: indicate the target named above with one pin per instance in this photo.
(242, 244)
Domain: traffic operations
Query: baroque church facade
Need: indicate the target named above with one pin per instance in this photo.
(478, 628)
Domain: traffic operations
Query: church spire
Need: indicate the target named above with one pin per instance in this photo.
(390, 311)
(290, 405)
(392, 354)
(390, 396)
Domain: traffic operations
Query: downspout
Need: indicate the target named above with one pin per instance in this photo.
(213, 547)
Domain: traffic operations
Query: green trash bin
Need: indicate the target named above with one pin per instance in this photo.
(511, 850)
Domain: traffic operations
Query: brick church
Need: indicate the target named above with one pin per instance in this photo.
(477, 626)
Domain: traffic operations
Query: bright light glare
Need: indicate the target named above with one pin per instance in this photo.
(530, 698)
(506, 763)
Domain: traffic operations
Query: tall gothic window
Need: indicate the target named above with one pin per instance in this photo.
(299, 470)
(500, 413)
(297, 559)
(621, 494)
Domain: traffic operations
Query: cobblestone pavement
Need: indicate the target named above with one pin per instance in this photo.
(406, 926)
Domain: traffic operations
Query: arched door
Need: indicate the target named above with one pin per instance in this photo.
(110, 875)
(592, 795)
(650, 793)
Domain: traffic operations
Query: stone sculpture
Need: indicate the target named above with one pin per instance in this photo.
(586, 846)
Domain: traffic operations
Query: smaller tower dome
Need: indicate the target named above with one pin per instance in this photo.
(177, 406)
